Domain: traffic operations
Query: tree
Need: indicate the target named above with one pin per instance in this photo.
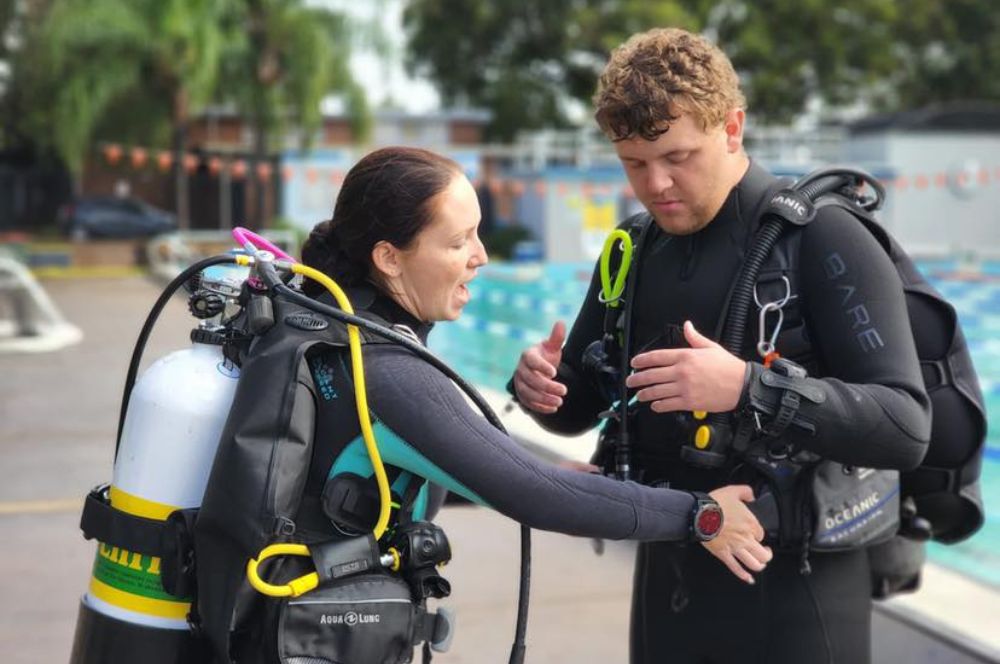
(95, 62)
(522, 59)
(947, 50)
(283, 59)
(526, 60)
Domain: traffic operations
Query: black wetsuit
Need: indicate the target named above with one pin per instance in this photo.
(687, 607)
(425, 426)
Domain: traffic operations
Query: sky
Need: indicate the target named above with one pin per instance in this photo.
(384, 78)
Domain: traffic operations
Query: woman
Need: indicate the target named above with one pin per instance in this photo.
(403, 242)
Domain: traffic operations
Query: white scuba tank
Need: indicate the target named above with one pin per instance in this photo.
(175, 416)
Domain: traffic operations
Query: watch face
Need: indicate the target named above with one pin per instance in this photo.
(709, 520)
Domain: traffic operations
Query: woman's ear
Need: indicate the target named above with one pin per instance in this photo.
(385, 258)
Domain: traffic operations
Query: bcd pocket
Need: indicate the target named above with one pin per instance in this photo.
(369, 618)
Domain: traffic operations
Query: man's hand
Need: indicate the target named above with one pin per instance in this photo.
(738, 545)
(533, 382)
(704, 377)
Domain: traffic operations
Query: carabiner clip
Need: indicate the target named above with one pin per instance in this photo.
(780, 303)
(611, 294)
(293, 588)
(765, 345)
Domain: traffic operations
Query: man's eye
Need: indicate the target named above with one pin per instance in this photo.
(678, 157)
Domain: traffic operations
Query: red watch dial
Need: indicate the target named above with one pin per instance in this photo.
(709, 520)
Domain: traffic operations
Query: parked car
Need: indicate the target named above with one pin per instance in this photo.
(114, 217)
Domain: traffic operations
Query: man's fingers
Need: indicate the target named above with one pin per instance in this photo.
(556, 337)
(661, 391)
(533, 360)
(669, 405)
(658, 358)
(529, 395)
(539, 383)
(651, 377)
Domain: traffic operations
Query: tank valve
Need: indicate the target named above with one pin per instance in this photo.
(206, 304)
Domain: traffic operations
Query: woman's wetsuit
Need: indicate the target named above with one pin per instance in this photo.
(424, 425)
(876, 413)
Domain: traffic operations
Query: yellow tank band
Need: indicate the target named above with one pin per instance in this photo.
(160, 608)
(136, 506)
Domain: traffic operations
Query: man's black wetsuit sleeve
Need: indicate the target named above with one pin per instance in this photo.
(426, 410)
(876, 411)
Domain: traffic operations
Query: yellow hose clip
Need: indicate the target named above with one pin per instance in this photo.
(293, 588)
(611, 294)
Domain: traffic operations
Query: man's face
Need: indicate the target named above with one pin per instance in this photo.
(685, 175)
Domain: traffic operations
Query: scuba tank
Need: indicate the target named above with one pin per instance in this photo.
(172, 421)
(145, 521)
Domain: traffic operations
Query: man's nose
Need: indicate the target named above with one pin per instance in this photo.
(659, 179)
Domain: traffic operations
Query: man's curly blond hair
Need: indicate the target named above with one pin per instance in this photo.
(656, 76)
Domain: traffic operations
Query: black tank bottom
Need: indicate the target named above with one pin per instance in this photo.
(687, 608)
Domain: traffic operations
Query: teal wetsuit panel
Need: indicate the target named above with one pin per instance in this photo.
(397, 452)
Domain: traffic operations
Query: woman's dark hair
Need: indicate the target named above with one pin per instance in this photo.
(385, 196)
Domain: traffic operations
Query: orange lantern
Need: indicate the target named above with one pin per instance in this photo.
(139, 157)
(264, 171)
(164, 160)
(112, 153)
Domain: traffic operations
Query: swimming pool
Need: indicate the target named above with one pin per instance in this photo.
(513, 306)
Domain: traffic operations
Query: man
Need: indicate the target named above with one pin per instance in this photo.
(670, 102)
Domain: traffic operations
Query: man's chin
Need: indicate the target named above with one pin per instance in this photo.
(678, 224)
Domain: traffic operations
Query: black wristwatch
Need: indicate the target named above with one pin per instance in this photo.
(706, 517)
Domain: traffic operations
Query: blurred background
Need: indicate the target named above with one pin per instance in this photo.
(134, 135)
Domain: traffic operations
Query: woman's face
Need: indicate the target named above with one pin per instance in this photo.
(433, 273)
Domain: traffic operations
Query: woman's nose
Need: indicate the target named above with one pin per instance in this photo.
(479, 256)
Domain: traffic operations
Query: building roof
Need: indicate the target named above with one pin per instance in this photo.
(977, 117)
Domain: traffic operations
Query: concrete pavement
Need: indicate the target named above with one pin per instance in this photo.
(58, 416)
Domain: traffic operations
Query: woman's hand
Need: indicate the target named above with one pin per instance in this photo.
(738, 544)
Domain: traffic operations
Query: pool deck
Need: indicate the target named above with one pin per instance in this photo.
(58, 413)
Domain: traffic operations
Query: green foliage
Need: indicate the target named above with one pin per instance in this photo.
(501, 242)
(281, 59)
(89, 64)
(524, 59)
(947, 50)
(137, 70)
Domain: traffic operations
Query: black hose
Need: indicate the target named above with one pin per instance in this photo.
(147, 328)
(524, 589)
(519, 647)
(772, 226)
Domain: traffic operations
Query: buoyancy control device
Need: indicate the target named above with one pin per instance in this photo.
(174, 577)
(939, 500)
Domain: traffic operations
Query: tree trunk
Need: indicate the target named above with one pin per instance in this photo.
(180, 121)
(260, 156)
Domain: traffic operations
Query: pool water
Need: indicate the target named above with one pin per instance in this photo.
(514, 306)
